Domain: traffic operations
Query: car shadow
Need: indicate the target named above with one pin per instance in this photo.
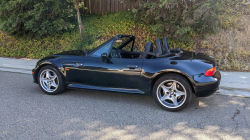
(146, 101)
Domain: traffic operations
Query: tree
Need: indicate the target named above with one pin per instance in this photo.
(35, 17)
(76, 5)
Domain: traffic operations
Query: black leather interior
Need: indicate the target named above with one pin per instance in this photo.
(129, 54)
(148, 48)
(148, 52)
(159, 46)
(166, 46)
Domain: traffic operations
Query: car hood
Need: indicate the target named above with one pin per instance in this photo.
(73, 52)
(186, 55)
(66, 54)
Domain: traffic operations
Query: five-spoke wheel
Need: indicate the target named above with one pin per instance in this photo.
(172, 92)
(50, 80)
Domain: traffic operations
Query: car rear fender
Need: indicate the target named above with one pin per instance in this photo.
(163, 72)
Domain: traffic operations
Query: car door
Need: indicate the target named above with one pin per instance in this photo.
(113, 73)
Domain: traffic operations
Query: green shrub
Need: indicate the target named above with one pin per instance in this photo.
(35, 17)
(180, 19)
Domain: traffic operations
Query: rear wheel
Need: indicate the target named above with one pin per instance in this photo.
(172, 92)
(50, 80)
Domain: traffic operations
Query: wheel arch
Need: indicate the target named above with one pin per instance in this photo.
(190, 81)
(47, 64)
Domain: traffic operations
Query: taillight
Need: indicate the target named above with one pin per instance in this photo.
(210, 72)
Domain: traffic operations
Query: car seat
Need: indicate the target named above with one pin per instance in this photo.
(166, 46)
(148, 49)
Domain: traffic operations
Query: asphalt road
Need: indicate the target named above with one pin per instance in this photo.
(27, 113)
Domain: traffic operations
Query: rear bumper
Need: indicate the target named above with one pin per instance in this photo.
(205, 86)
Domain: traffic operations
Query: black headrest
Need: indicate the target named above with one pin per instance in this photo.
(159, 46)
(166, 45)
(149, 47)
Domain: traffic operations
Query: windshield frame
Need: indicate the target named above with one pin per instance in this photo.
(90, 52)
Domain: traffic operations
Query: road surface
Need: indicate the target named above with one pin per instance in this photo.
(27, 113)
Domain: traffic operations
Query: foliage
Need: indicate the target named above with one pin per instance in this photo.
(76, 4)
(33, 48)
(231, 13)
(230, 46)
(35, 17)
(180, 19)
(103, 27)
(231, 49)
(98, 29)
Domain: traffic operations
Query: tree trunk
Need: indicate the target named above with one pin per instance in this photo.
(78, 16)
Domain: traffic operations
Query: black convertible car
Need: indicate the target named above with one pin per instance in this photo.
(172, 77)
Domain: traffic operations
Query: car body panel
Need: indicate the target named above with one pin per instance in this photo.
(71, 60)
(113, 73)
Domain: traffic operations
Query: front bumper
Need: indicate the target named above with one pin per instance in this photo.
(205, 86)
(34, 76)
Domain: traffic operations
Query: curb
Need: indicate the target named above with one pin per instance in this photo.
(233, 92)
(16, 70)
(230, 88)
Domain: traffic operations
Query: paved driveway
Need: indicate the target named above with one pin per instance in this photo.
(27, 113)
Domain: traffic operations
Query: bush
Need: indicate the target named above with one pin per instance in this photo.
(180, 19)
(35, 17)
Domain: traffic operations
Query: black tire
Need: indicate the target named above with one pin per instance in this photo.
(58, 81)
(165, 96)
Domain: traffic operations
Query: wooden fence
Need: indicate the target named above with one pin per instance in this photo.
(104, 6)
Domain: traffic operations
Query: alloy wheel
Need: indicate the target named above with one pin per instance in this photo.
(171, 93)
(49, 80)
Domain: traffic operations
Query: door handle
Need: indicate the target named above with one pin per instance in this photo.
(132, 66)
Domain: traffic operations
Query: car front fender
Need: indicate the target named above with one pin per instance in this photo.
(43, 63)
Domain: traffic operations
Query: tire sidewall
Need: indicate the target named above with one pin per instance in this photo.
(178, 78)
(60, 87)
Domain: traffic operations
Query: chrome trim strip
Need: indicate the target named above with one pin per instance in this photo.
(106, 89)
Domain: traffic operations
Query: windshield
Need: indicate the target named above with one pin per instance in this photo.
(92, 50)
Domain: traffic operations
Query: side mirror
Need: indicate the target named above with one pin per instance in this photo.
(134, 48)
(104, 57)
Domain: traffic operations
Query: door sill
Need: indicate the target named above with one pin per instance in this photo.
(105, 89)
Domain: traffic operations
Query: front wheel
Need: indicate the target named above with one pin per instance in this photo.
(50, 80)
(172, 92)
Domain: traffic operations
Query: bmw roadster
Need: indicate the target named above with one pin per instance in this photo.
(172, 77)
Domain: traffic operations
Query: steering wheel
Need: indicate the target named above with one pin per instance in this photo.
(115, 53)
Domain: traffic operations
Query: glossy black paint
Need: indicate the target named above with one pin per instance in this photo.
(114, 73)
(131, 75)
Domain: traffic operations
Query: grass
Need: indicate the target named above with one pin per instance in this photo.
(29, 48)
(230, 46)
